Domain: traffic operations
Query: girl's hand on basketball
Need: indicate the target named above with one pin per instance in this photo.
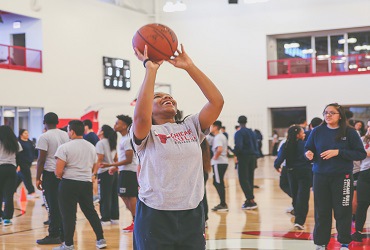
(142, 57)
(182, 60)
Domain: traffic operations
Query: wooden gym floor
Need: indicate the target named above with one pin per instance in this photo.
(268, 227)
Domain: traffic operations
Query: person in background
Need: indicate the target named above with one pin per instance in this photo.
(89, 134)
(246, 151)
(106, 151)
(219, 164)
(9, 147)
(24, 161)
(363, 189)
(316, 121)
(127, 165)
(299, 172)
(333, 146)
(360, 128)
(259, 142)
(223, 130)
(75, 162)
(206, 156)
(46, 180)
(275, 142)
(170, 212)
(302, 121)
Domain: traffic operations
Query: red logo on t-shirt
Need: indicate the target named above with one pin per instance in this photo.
(162, 137)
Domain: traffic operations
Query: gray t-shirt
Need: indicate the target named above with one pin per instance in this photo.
(80, 157)
(103, 148)
(125, 145)
(171, 176)
(8, 158)
(220, 140)
(49, 142)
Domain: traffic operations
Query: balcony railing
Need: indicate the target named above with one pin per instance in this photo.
(319, 66)
(20, 58)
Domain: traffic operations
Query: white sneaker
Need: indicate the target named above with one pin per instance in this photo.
(298, 226)
(101, 244)
(320, 247)
(114, 222)
(105, 223)
(289, 209)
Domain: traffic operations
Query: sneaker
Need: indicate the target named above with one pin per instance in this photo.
(129, 229)
(220, 208)
(298, 226)
(64, 247)
(249, 205)
(105, 223)
(114, 222)
(101, 243)
(320, 247)
(289, 209)
(96, 199)
(48, 240)
(357, 236)
(7, 222)
(344, 247)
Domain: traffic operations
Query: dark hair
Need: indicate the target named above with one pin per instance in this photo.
(51, 118)
(237, 127)
(343, 123)
(88, 123)
(242, 119)
(8, 139)
(366, 138)
(302, 120)
(316, 121)
(217, 124)
(111, 135)
(125, 118)
(223, 127)
(21, 131)
(77, 126)
(291, 142)
(362, 129)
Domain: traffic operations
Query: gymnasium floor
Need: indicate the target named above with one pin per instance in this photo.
(267, 227)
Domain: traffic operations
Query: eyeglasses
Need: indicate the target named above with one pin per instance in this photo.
(330, 113)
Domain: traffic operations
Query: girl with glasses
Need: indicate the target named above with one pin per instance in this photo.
(333, 146)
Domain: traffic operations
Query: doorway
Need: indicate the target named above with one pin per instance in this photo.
(19, 54)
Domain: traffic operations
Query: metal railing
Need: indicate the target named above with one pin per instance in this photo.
(20, 58)
(319, 66)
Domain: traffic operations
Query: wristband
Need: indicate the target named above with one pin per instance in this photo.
(145, 61)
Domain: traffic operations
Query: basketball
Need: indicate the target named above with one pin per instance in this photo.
(160, 40)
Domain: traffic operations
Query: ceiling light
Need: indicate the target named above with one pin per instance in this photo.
(16, 24)
(291, 45)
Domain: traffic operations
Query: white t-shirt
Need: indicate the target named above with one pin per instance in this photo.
(103, 148)
(49, 142)
(8, 158)
(171, 176)
(125, 145)
(80, 157)
(220, 140)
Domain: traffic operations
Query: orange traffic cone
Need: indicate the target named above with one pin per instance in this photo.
(23, 196)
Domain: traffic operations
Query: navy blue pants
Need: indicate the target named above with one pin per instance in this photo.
(332, 192)
(168, 230)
